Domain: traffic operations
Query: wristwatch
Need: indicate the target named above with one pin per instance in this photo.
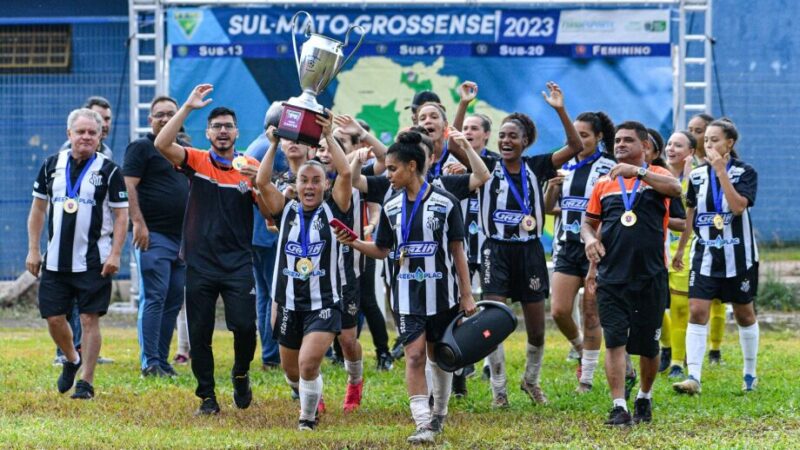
(641, 173)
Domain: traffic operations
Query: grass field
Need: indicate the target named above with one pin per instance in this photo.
(130, 412)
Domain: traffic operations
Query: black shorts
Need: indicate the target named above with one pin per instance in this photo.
(411, 326)
(351, 302)
(292, 326)
(741, 289)
(473, 269)
(631, 313)
(570, 258)
(515, 270)
(59, 291)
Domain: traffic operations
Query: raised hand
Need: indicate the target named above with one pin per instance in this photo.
(554, 97)
(459, 138)
(624, 170)
(195, 100)
(326, 122)
(468, 91)
(717, 161)
(348, 125)
(273, 138)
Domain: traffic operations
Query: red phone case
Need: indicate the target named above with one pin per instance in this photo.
(339, 225)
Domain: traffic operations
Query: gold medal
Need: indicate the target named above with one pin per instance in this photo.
(628, 218)
(304, 266)
(70, 205)
(528, 223)
(239, 162)
(719, 222)
(402, 258)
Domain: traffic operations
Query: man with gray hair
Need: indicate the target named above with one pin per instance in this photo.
(82, 194)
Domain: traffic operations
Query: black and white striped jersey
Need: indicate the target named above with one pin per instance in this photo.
(500, 212)
(80, 241)
(350, 258)
(322, 287)
(731, 251)
(575, 194)
(426, 283)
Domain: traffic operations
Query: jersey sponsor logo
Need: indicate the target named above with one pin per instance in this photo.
(507, 217)
(574, 203)
(294, 274)
(420, 275)
(474, 206)
(295, 249)
(473, 228)
(719, 242)
(95, 179)
(420, 249)
(85, 201)
(35, 184)
(574, 227)
(123, 194)
(707, 219)
(437, 208)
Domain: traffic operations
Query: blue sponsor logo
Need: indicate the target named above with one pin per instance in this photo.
(420, 275)
(707, 219)
(437, 208)
(474, 228)
(81, 200)
(296, 274)
(574, 203)
(507, 217)
(473, 205)
(420, 249)
(574, 227)
(295, 249)
(719, 242)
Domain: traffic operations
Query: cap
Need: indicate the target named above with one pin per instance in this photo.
(422, 97)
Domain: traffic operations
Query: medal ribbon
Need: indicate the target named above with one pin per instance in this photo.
(626, 199)
(583, 162)
(484, 152)
(716, 191)
(221, 160)
(524, 201)
(72, 191)
(305, 233)
(437, 170)
(405, 225)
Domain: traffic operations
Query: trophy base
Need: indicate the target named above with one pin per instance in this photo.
(299, 125)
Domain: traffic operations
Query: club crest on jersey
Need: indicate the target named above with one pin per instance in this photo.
(420, 275)
(352, 309)
(507, 217)
(534, 283)
(295, 249)
(474, 206)
(707, 219)
(574, 227)
(433, 223)
(745, 287)
(419, 249)
(325, 314)
(96, 179)
(574, 203)
(243, 187)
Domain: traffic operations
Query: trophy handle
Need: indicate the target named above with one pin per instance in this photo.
(346, 40)
(309, 29)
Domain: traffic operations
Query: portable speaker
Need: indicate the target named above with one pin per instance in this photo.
(475, 337)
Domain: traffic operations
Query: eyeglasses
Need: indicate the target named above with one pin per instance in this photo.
(161, 115)
(220, 126)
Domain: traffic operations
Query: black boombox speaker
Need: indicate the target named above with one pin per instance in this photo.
(475, 337)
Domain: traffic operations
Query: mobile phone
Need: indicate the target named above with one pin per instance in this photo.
(339, 225)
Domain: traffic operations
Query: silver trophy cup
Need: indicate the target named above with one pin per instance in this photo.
(318, 63)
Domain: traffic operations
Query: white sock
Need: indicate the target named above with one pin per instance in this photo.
(310, 392)
(486, 362)
(77, 361)
(696, 336)
(429, 376)
(642, 394)
(577, 343)
(355, 371)
(748, 339)
(293, 384)
(497, 370)
(588, 365)
(442, 385)
(533, 364)
(420, 411)
(621, 402)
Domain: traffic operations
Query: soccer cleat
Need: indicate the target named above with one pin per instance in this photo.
(397, 350)
(749, 383)
(169, 371)
(437, 423)
(630, 383)
(422, 435)
(352, 398)
(242, 394)
(307, 425)
(271, 365)
(67, 377)
(385, 362)
(83, 391)
(642, 410)
(459, 385)
(688, 386)
(534, 391)
(618, 417)
(208, 407)
(180, 359)
(583, 388)
(500, 401)
(321, 406)
(573, 355)
(676, 372)
(579, 370)
(666, 357)
(715, 357)
(154, 371)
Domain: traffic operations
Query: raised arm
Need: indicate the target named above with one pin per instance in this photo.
(343, 185)
(480, 173)
(272, 199)
(467, 92)
(555, 98)
(736, 202)
(552, 194)
(350, 125)
(359, 180)
(165, 140)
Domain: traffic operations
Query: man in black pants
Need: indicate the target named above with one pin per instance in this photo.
(217, 236)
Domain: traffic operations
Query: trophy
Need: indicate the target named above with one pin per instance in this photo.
(320, 60)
